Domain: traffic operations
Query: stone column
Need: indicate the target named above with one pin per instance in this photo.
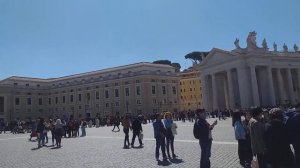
(290, 86)
(214, 92)
(204, 91)
(230, 89)
(271, 87)
(298, 76)
(255, 94)
(280, 86)
(244, 85)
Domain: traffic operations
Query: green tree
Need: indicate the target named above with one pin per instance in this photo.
(166, 62)
(196, 56)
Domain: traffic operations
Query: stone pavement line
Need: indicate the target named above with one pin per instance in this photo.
(146, 139)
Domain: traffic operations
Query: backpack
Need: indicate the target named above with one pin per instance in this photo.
(196, 130)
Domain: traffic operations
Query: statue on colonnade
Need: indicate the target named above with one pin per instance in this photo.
(251, 40)
(296, 48)
(285, 48)
(275, 47)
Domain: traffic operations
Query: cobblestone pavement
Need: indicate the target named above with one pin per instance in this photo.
(104, 148)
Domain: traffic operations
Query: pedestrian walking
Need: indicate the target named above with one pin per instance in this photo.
(202, 131)
(40, 131)
(83, 126)
(126, 126)
(136, 130)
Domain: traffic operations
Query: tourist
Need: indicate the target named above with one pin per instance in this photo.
(202, 131)
(159, 135)
(40, 131)
(278, 151)
(52, 130)
(256, 128)
(116, 124)
(97, 122)
(293, 125)
(58, 132)
(83, 125)
(126, 126)
(246, 146)
(136, 130)
(168, 122)
(240, 136)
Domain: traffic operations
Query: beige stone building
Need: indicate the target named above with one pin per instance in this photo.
(190, 90)
(142, 88)
(250, 76)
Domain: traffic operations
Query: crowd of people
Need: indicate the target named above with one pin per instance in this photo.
(268, 135)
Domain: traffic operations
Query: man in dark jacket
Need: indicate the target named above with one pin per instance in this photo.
(136, 130)
(40, 130)
(293, 125)
(205, 138)
(159, 135)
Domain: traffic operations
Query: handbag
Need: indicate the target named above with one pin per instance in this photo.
(254, 163)
(141, 136)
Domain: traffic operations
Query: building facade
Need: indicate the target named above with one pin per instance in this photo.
(142, 88)
(190, 90)
(250, 76)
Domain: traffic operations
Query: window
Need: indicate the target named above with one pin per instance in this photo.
(40, 101)
(28, 101)
(27, 84)
(49, 101)
(164, 90)
(174, 90)
(137, 81)
(106, 94)
(116, 92)
(138, 102)
(64, 99)
(15, 84)
(88, 96)
(38, 85)
(153, 90)
(106, 105)
(126, 91)
(71, 98)
(154, 101)
(97, 95)
(79, 97)
(163, 81)
(106, 85)
(117, 104)
(116, 84)
(191, 89)
(79, 107)
(17, 101)
(56, 100)
(138, 90)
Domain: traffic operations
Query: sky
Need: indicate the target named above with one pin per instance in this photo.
(48, 39)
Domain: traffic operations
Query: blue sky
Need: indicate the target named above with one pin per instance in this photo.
(45, 39)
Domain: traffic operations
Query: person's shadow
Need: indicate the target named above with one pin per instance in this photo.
(163, 163)
(176, 160)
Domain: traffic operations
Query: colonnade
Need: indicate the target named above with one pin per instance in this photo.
(254, 85)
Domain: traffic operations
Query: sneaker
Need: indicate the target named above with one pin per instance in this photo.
(174, 156)
(169, 156)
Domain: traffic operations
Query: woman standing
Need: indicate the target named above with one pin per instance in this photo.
(168, 122)
(240, 135)
(58, 132)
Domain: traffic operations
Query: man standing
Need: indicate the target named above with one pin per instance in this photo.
(202, 131)
(292, 126)
(159, 135)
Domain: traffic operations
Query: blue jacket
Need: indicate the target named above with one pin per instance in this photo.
(239, 131)
(159, 129)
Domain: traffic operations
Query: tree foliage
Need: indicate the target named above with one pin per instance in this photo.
(176, 65)
(196, 56)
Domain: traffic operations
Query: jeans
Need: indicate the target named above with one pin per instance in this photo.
(126, 131)
(160, 143)
(41, 138)
(170, 142)
(135, 134)
(205, 153)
